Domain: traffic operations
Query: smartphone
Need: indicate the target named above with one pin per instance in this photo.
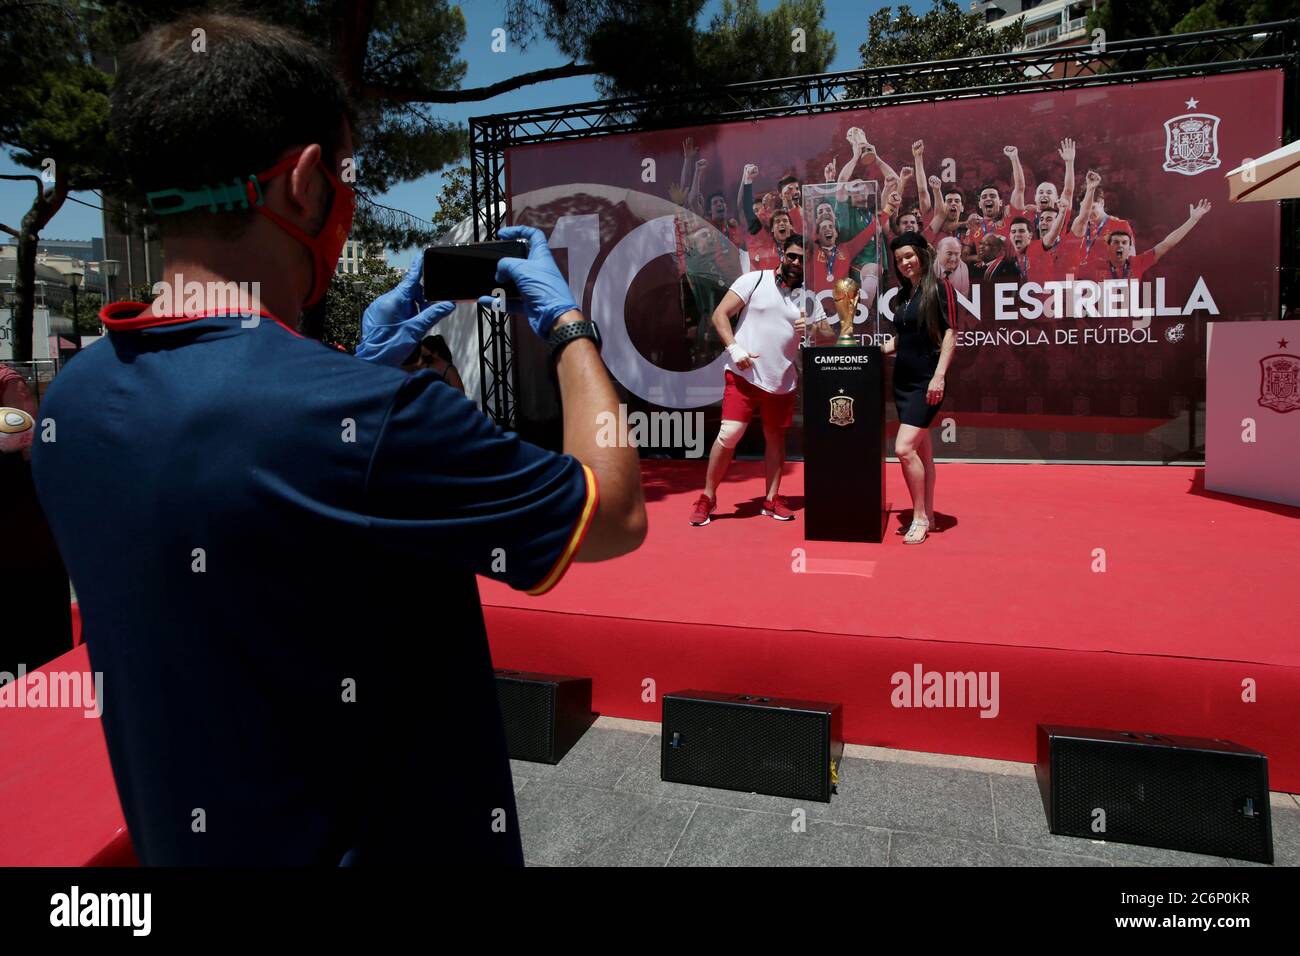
(464, 272)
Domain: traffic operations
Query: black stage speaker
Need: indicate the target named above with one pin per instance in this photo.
(1178, 793)
(844, 443)
(544, 714)
(786, 748)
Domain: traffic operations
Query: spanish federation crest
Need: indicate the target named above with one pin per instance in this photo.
(1191, 143)
(842, 410)
(1279, 382)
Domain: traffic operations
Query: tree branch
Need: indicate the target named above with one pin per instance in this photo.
(12, 232)
(352, 30)
(479, 92)
(40, 183)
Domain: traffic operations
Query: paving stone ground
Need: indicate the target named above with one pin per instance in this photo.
(604, 805)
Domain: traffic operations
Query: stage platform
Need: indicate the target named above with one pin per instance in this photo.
(1193, 626)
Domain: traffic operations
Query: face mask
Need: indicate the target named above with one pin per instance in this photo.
(324, 247)
(327, 244)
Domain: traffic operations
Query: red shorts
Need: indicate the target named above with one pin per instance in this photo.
(742, 398)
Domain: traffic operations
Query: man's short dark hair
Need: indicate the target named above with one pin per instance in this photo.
(1120, 232)
(784, 180)
(992, 186)
(184, 119)
(795, 240)
(1021, 219)
(951, 191)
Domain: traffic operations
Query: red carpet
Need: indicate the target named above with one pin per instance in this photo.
(59, 802)
(1195, 610)
(1196, 606)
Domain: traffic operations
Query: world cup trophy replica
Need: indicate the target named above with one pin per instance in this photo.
(846, 306)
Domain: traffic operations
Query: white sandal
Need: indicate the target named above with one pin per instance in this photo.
(919, 526)
(906, 528)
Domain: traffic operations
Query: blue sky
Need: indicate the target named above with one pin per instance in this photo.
(846, 18)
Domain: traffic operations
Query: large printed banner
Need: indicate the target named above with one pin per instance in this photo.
(1087, 233)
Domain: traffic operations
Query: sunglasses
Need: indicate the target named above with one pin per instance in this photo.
(794, 256)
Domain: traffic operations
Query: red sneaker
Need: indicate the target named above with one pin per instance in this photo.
(703, 508)
(776, 508)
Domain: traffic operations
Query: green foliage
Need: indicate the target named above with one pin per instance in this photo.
(656, 47)
(59, 108)
(743, 43)
(1128, 21)
(85, 315)
(348, 297)
(945, 32)
(1124, 20)
(62, 51)
(454, 200)
(411, 45)
(140, 292)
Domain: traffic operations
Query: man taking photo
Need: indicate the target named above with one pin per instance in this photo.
(255, 522)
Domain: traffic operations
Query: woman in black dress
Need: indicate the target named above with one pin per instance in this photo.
(924, 344)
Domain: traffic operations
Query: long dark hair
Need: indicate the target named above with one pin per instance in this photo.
(928, 308)
(438, 346)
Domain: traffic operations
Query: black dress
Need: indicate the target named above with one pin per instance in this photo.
(916, 361)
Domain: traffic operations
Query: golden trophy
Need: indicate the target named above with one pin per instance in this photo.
(846, 305)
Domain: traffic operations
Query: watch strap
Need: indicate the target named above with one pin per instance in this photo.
(562, 335)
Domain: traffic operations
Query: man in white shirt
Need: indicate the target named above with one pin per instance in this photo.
(760, 371)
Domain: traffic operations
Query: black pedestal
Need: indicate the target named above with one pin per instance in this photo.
(844, 443)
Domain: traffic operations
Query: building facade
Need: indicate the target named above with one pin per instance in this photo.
(355, 253)
(1048, 23)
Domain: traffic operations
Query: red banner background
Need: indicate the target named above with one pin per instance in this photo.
(1134, 400)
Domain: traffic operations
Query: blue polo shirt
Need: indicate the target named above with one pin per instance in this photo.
(274, 545)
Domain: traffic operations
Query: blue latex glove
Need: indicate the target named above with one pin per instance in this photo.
(544, 290)
(396, 322)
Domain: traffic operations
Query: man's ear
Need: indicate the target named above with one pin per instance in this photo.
(304, 184)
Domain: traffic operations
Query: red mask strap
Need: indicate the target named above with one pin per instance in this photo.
(284, 166)
(326, 245)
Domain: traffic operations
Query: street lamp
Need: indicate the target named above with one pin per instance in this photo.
(75, 278)
(109, 266)
(357, 287)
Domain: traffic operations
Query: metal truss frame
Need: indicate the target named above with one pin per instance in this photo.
(1095, 63)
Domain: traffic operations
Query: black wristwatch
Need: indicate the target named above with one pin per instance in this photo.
(562, 335)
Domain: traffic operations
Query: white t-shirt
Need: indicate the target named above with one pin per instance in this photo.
(767, 330)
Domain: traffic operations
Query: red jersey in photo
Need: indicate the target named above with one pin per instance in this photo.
(1096, 235)
(1035, 214)
(998, 227)
(763, 253)
(826, 266)
(1100, 270)
(1054, 263)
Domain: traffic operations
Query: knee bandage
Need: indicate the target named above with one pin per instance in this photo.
(730, 432)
